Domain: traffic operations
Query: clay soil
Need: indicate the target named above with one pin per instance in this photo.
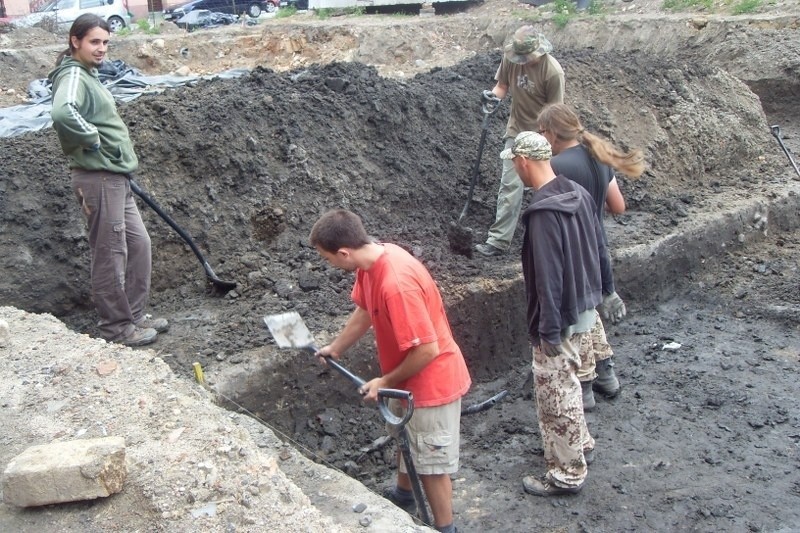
(381, 115)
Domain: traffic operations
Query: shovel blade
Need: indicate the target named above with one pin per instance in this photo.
(289, 330)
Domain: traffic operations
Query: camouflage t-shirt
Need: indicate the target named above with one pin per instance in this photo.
(531, 86)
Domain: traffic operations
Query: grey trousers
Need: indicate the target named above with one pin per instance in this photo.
(120, 246)
(509, 204)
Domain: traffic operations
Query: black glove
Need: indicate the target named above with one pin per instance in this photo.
(612, 308)
(488, 96)
(550, 350)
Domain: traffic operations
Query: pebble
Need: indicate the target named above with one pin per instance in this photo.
(365, 521)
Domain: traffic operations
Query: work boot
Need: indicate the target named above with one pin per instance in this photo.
(400, 498)
(543, 487)
(606, 382)
(588, 396)
(159, 324)
(488, 250)
(139, 337)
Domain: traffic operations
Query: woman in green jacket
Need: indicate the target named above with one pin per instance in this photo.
(101, 155)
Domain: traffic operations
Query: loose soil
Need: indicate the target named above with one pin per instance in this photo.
(382, 116)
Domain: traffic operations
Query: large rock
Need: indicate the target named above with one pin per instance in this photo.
(65, 472)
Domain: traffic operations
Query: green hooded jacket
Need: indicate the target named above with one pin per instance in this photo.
(84, 113)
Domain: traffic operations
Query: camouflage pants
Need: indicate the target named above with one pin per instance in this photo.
(594, 347)
(559, 407)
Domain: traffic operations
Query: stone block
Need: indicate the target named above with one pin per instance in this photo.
(65, 472)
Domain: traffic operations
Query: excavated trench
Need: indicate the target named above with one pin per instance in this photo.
(702, 438)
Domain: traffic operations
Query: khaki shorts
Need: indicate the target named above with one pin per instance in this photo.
(433, 436)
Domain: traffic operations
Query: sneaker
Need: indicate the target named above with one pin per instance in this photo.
(588, 455)
(544, 487)
(588, 396)
(606, 382)
(159, 324)
(487, 250)
(139, 337)
(408, 506)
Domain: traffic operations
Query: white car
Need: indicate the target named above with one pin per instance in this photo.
(66, 11)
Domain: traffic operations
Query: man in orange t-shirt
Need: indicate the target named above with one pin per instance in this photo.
(396, 296)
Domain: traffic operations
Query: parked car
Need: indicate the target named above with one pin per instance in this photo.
(64, 13)
(299, 5)
(252, 8)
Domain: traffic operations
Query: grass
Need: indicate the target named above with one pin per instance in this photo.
(745, 6)
(564, 12)
(530, 16)
(286, 12)
(679, 5)
(145, 27)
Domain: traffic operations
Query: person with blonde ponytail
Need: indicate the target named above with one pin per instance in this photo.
(591, 161)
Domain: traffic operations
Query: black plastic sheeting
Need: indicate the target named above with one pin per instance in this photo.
(122, 81)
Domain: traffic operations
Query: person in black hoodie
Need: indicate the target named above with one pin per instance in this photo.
(562, 254)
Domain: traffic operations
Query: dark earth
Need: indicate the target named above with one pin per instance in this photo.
(703, 437)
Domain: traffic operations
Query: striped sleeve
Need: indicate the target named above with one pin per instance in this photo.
(70, 97)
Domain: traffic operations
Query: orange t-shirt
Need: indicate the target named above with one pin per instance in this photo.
(407, 310)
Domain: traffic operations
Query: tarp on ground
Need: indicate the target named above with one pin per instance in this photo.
(124, 82)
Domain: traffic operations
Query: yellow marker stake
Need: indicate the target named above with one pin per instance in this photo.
(198, 374)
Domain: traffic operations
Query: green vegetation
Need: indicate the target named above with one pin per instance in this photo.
(745, 6)
(528, 15)
(564, 12)
(679, 5)
(327, 12)
(145, 27)
(286, 12)
(596, 8)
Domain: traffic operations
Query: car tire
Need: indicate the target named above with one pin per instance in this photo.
(254, 10)
(115, 24)
(271, 8)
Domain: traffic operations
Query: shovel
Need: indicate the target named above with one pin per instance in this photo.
(289, 331)
(461, 238)
(776, 132)
(223, 286)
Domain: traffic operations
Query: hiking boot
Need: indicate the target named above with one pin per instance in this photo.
(588, 396)
(606, 382)
(390, 493)
(139, 337)
(487, 250)
(159, 324)
(588, 455)
(544, 487)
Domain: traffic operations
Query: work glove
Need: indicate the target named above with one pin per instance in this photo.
(550, 350)
(612, 308)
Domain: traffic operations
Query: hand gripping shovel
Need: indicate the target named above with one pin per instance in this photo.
(289, 331)
(223, 286)
(776, 132)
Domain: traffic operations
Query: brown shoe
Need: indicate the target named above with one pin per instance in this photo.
(544, 487)
(159, 324)
(139, 337)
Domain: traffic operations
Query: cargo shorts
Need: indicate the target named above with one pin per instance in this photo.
(433, 437)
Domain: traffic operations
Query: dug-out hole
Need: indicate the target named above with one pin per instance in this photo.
(319, 412)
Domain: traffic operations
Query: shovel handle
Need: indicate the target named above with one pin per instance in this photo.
(336, 366)
(384, 395)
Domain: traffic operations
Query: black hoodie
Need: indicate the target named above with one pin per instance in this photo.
(562, 252)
